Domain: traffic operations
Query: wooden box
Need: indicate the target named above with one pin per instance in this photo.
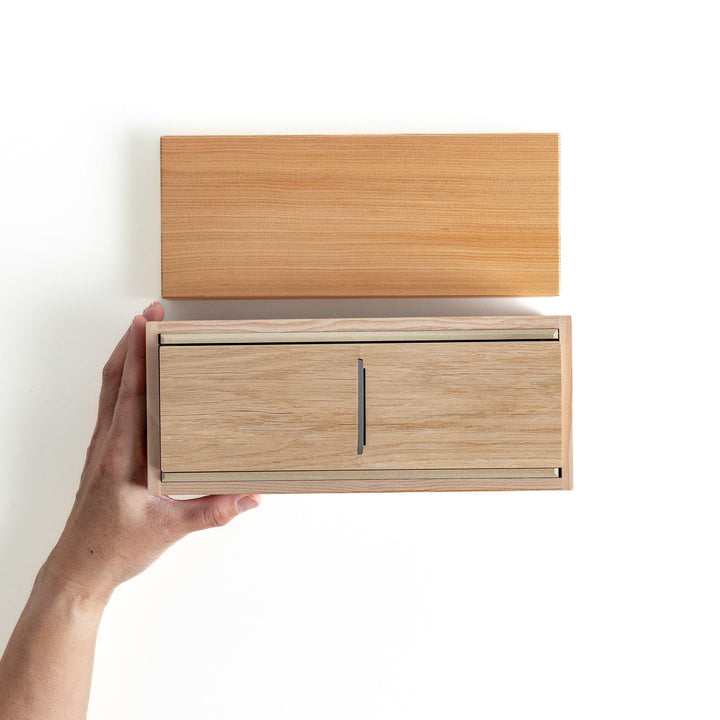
(359, 405)
(360, 215)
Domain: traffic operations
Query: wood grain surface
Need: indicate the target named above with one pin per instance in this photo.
(427, 482)
(152, 383)
(360, 216)
(374, 324)
(294, 407)
(258, 407)
(462, 404)
(565, 337)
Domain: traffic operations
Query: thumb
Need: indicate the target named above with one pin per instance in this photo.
(213, 510)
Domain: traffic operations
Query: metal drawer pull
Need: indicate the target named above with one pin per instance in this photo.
(361, 407)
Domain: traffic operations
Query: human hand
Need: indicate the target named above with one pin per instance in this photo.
(116, 528)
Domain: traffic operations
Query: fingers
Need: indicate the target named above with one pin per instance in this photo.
(212, 511)
(113, 371)
(128, 422)
(128, 419)
(112, 375)
(154, 312)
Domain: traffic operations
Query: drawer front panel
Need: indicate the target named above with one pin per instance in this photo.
(462, 405)
(302, 407)
(257, 407)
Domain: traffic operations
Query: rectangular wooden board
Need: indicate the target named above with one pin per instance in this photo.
(360, 216)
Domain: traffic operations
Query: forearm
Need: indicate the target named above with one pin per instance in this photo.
(46, 669)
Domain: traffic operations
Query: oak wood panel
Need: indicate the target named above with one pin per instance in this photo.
(258, 407)
(443, 405)
(428, 484)
(377, 324)
(152, 382)
(360, 215)
(565, 337)
(462, 404)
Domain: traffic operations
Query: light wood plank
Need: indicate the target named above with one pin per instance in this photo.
(360, 216)
(152, 378)
(372, 485)
(353, 325)
(566, 371)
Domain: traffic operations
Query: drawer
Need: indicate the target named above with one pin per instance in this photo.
(359, 405)
(258, 407)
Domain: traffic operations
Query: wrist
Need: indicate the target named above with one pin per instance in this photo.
(53, 584)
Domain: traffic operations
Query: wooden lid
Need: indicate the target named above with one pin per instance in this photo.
(360, 216)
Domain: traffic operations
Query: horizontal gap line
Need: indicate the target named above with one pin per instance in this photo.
(378, 473)
(434, 469)
(292, 337)
(357, 342)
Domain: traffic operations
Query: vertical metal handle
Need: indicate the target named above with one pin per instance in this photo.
(361, 407)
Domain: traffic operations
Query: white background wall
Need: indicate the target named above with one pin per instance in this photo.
(592, 604)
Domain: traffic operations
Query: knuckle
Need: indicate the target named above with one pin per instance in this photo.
(216, 517)
(110, 465)
(168, 526)
(109, 373)
(173, 532)
(126, 392)
(91, 450)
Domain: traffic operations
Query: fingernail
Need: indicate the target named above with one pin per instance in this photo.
(148, 308)
(246, 503)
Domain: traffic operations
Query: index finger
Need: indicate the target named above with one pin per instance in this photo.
(113, 371)
(128, 420)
